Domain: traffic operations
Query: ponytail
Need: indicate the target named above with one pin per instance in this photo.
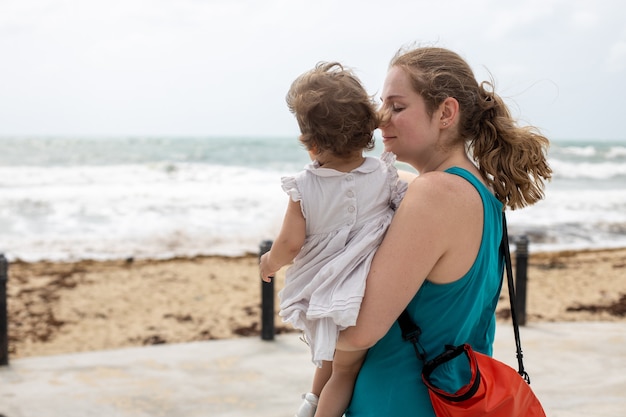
(512, 158)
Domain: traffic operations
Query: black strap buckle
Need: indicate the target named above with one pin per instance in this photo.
(411, 333)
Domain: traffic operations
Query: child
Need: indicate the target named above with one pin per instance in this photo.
(339, 209)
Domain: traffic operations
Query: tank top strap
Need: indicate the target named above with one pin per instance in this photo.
(492, 207)
(471, 178)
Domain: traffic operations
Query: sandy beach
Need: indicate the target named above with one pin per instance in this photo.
(59, 308)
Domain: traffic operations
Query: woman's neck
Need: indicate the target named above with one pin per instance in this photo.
(440, 159)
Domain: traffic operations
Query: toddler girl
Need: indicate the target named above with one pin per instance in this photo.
(339, 209)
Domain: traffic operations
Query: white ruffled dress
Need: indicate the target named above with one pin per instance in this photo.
(347, 215)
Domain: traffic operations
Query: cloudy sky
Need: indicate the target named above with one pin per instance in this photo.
(222, 67)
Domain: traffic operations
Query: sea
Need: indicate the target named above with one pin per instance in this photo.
(75, 198)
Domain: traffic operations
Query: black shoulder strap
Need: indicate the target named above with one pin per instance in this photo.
(504, 248)
(411, 331)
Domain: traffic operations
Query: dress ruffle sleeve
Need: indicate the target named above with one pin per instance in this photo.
(290, 186)
(397, 186)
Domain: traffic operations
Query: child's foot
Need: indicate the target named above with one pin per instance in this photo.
(308, 406)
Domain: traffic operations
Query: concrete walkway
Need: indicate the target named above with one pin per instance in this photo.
(576, 370)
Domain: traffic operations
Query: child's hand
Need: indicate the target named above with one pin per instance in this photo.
(267, 273)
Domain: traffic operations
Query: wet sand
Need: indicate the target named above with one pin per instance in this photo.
(59, 308)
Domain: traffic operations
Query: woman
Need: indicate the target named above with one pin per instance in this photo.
(440, 257)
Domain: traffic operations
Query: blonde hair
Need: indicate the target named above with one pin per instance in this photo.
(333, 110)
(511, 158)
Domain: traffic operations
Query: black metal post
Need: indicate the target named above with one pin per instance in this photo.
(521, 268)
(267, 299)
(4, 320)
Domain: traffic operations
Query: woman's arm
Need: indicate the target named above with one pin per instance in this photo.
(287, 244)
(420, 235)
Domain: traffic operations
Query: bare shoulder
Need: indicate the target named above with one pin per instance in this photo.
(437, 202)
(445, 203)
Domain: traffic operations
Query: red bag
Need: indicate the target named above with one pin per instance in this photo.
(495, 389)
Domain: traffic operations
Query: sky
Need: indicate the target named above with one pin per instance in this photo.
(222, 67)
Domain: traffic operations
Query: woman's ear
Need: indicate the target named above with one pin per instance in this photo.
(449, 112)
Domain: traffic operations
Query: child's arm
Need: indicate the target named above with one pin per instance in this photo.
(288, 243)
(406, 175)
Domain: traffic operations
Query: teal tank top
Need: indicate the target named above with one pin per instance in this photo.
(389, 383)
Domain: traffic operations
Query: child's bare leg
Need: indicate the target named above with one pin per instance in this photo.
(321, 377)
(337, 392)
(310, 399)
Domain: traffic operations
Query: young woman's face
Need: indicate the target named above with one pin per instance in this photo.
(410, 132)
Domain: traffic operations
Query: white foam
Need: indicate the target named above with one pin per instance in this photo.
(163, 209)
(582, 170)
(116, 212)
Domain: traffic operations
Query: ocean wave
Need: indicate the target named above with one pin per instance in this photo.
(167, 198)
(585, 151)
(587, 170)
(616, 152)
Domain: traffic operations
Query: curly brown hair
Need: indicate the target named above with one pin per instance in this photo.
(511, 158)
(333, 110)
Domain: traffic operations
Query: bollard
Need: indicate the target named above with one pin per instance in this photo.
(4, 320)
(521, 267)
(267, 299)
